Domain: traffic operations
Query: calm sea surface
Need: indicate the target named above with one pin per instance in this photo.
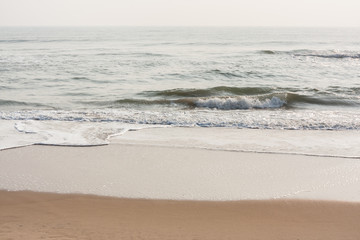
(267, 78)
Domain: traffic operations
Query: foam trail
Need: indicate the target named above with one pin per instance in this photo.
(62, 133)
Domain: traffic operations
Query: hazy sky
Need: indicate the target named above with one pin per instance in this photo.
(181, 12)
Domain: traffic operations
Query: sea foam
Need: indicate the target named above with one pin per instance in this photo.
(229, 103)
(60, 133)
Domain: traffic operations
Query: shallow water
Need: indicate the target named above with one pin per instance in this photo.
(263, 78)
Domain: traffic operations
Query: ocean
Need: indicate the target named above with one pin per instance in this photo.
(82, 85)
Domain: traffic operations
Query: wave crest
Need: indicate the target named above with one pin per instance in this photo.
(228, 98)
(332, 54)
(231, 103)
(12, 103)
(209, 92)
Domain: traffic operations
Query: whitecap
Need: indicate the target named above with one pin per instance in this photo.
(230, 103)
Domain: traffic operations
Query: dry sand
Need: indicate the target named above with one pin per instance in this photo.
(29, 215)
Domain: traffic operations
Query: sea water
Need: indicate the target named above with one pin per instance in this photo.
(82, 85)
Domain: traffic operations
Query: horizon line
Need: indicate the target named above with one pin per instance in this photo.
(210, 26)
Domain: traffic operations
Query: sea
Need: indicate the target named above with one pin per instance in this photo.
(83, 85)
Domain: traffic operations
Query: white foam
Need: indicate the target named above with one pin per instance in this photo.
(230, 103)
(93, 127)
(269, 118)
(22, 133)
(10, 137)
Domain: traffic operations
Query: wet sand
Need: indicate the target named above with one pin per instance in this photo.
(30, 215)
(178, 173)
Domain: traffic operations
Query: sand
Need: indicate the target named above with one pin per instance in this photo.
(160, 172)
(208, 191)
(308, 142)
(29, 215)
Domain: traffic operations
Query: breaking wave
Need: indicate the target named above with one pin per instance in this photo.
(265, 119)
(220, 103)
(229, 98)
(229, 103)
(221, 98)
(208, 92)
(264, 101)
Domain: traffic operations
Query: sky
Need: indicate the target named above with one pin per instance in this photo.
(315, 13)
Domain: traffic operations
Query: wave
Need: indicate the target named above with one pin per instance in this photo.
(221, 98)
(139, 54)
(238, 74)
(332, 54)
(327, 54)
(208, 92)
(324, 100)
(226, 74)
(11, 103)
(15, 40)
(43, 40)
(274, 100)
(86, 79)
(268, 52)
(230, 103)
(273, 119)
(220, 103)
(219, 91)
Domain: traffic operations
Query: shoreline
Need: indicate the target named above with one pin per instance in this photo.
(115, 191)
(169, 172)
(322, 143)
(34, 215)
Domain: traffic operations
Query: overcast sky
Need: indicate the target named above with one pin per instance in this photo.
(180, 12)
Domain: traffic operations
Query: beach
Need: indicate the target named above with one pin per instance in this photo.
(179, 133)
(191, 164)
(29, 215)
(136, 188)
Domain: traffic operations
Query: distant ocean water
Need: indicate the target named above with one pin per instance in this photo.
(263, 78)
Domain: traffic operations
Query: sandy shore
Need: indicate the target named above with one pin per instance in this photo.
(160, 172)
(29, 215)
(292, 196)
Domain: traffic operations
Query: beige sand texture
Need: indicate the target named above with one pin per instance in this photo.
(29, 215)
(157, 172)
(313, 198)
